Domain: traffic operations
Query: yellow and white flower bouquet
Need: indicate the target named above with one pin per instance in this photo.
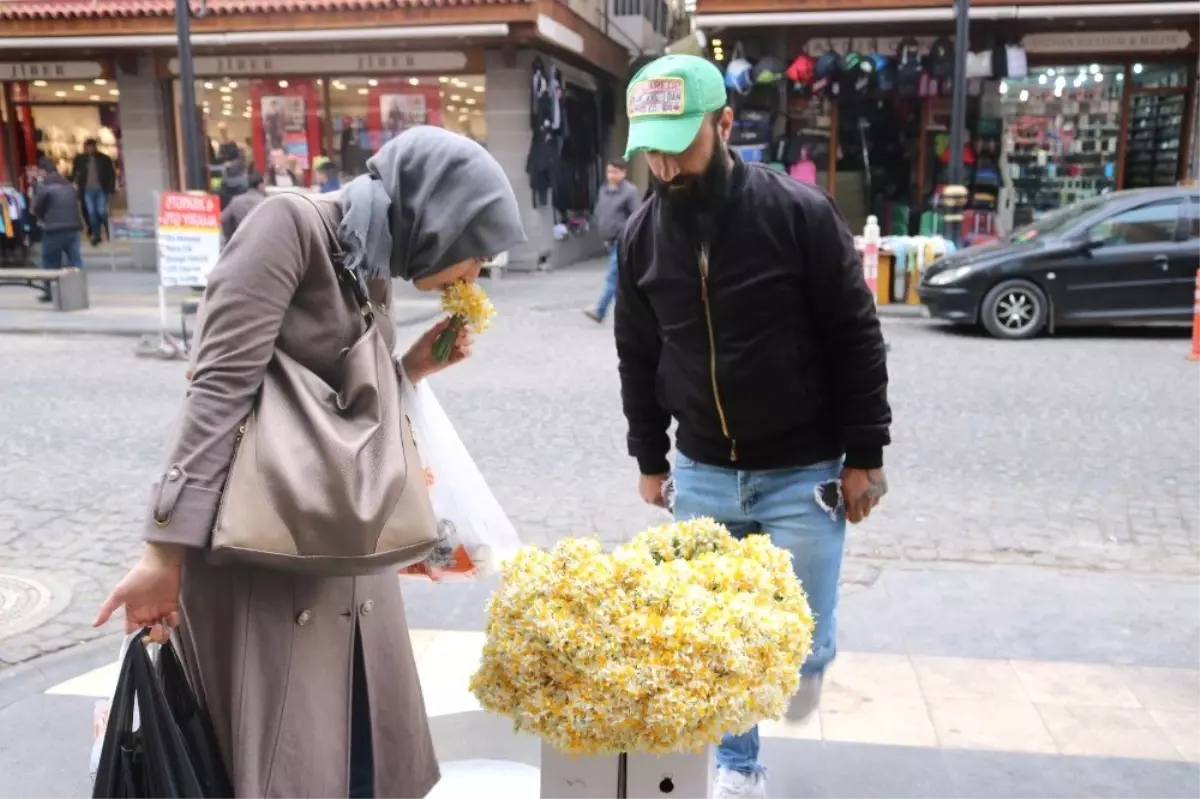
(468, 306)
(663, 645)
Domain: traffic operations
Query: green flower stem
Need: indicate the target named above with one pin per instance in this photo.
(444, 346)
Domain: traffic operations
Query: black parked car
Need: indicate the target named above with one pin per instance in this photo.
(1130, 256)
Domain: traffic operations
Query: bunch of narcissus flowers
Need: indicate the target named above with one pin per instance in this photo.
(467, 304)
(664, 645)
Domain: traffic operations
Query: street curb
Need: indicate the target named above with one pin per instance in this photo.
(35, 676)
(899, 311)
(125, 332)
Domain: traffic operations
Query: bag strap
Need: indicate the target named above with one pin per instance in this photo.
(348, 275)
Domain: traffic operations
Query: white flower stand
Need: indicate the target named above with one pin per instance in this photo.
(629, 776)
(684, 776)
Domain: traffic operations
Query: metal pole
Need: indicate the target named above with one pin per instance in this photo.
(955, 194)
(193, 166)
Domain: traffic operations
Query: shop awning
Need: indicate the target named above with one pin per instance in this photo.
(1142, 8)
(92, 9)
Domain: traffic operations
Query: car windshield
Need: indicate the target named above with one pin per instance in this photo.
(1055, 222)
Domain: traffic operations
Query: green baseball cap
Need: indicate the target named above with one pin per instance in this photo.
(666, 102)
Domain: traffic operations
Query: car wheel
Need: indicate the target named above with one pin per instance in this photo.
(1015, 309)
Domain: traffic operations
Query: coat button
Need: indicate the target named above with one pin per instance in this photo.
(303, 618)
(366, 607)
(173, 475)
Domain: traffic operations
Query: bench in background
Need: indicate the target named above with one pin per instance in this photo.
(68, 287)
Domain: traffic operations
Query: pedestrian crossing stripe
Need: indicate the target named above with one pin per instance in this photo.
(1041, 707)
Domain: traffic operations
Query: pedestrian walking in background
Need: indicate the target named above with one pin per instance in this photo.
(241, 206)
(617, 201)
(284, 174)
(329, 176)
(310, 679)
(56, 207)
(235, 181)
(96, 179)
(742, 312)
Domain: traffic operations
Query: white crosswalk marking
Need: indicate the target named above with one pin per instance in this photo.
(1089, 709)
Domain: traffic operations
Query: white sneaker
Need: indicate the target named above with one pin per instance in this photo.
(736, 785)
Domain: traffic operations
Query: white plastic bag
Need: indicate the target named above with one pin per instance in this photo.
(474, 534)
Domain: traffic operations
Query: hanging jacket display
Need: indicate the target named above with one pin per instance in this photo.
(541, 165)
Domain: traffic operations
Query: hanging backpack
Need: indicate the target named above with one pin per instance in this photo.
(739, 74)
(908, 67)
(828, 73)
(941, 59)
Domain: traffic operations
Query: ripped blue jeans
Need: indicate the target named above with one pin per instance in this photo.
(802, 511)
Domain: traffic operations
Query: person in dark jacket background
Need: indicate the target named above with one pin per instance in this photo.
(240, 206)
(617, 200)
(56, 206)
(743, 313)
(95, 176)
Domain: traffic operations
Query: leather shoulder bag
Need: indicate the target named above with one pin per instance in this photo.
(326, 480)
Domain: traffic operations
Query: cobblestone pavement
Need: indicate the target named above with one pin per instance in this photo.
(1076, 452)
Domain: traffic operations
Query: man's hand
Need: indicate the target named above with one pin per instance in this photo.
(861, 491)
(651, 489)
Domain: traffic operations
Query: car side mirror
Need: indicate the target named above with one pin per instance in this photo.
(1088, 244)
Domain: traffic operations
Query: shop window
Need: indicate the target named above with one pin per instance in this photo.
(1148, 224)
(1062, 135)
(56, 118)
(1159, 76)
(287, 127)
(1156, 125)
(365, 113)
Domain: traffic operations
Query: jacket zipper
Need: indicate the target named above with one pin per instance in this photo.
(237, 444)
(712, 352)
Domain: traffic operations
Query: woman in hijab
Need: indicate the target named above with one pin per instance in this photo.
(310, 681)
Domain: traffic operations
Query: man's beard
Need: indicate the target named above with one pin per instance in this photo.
(693, 201)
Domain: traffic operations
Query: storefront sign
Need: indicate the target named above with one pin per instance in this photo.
(189, 238)
(325, 64)
(50, 70)
(1101, 43)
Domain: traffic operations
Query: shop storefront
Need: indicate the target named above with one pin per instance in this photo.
(288, 113)
(285, 92)
(51, 109)
(1055, 113)
(1065, 100)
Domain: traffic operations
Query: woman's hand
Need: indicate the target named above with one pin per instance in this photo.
(149, 593)
(419, 361)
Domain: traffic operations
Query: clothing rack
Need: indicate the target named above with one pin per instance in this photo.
(15, 227)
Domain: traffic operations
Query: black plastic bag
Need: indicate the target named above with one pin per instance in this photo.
(194, 725)
(156, 759)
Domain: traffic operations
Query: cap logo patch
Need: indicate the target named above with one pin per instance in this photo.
(656, 97)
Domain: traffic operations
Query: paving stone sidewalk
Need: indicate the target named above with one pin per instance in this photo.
(125, 303)
(1073, 454)
(955, 680)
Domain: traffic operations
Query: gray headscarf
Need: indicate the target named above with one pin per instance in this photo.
(430, 199)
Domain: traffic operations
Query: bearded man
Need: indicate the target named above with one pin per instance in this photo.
(743, 314)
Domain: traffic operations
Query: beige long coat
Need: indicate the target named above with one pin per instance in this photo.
(270, 653)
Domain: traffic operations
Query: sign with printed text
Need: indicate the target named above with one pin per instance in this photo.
(656, 97)
(325, 63)
(189, 237)
(49, 70)
(1101, 42)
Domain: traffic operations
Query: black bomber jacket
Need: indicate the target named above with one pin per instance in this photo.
(776, 359)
